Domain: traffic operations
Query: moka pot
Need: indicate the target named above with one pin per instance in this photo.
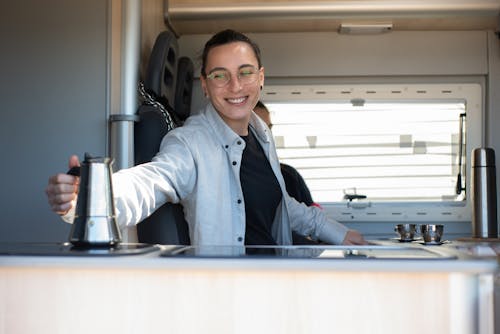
(95, 219)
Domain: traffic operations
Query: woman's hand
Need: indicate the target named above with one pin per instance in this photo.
(354, 238)
(62, 189)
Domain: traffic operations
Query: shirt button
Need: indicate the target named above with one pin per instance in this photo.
(227, 146)
(238, 142)
(234, 163)
(239, 201)
(240, 239)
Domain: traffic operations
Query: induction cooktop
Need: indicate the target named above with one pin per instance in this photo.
(307, 252)
(67, 249)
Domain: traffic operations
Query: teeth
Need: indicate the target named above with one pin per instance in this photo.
(238, 100)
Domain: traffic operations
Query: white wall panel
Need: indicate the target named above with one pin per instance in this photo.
(395, 53)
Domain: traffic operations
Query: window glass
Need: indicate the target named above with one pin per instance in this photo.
(387, 151)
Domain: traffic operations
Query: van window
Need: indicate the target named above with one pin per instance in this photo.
(378, 147)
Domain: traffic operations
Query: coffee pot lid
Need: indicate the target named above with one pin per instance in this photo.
(95, 159)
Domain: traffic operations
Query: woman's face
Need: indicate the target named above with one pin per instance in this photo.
(233, 82)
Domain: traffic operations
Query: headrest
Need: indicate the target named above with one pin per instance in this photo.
(184, 88)
(161, 71)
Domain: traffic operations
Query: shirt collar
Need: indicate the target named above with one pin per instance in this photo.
(226, 135)
(260, 128)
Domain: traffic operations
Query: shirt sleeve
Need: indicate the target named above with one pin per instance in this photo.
(140, 190)
(69, 216)
(313, 221)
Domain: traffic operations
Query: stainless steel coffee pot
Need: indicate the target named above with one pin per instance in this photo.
(95, 219)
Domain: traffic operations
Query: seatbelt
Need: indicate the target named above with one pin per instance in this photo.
(148, 99)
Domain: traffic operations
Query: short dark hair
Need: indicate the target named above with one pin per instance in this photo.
(225, 37)
(261, 105)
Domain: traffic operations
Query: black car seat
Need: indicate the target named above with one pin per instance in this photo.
(167, 86)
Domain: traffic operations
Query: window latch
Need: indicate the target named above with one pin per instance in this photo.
(351, 197)
(354, 200)
(351, 194)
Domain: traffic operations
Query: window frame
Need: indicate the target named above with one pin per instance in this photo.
(366, 211)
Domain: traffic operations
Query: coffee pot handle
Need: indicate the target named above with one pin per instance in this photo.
(75, 171)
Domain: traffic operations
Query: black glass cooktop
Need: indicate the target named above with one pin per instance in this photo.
(67, 249)
(310, 252)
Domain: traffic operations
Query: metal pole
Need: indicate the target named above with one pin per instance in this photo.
(122, 123)
(123, 116)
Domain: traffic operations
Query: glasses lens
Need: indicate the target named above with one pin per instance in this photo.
(247, 75)
(219, 78)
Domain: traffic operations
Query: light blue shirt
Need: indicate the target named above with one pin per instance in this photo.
(198, 165)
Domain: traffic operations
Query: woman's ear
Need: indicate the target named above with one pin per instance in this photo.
(204, 86)
(261, 77)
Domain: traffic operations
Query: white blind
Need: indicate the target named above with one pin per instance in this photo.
(387, 151)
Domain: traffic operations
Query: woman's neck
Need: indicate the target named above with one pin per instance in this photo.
(238, 126)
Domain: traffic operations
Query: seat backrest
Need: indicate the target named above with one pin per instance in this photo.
(184, 88)
(169, 80)
(160, 77)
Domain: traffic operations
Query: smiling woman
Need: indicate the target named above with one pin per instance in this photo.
(232, 77)
(221, 165)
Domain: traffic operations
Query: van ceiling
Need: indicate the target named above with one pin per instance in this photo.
(206, 17)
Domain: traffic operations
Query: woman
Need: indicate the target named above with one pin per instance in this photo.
(221, 165)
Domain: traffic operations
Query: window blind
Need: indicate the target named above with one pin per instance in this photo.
(387, 151)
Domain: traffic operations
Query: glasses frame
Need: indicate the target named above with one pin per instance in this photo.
(210, 76)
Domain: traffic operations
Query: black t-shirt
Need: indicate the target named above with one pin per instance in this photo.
(295, 185)
(261, 192)
(297, 188)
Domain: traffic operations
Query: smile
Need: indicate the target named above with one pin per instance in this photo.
(237, 100)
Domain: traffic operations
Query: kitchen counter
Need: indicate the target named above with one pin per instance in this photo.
(385, 287)
(380, 255)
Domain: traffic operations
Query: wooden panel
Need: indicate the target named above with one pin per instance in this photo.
(259, 25)
(200, 16)
(56, 300)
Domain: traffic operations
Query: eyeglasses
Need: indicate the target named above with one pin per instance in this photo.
(221, 77)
